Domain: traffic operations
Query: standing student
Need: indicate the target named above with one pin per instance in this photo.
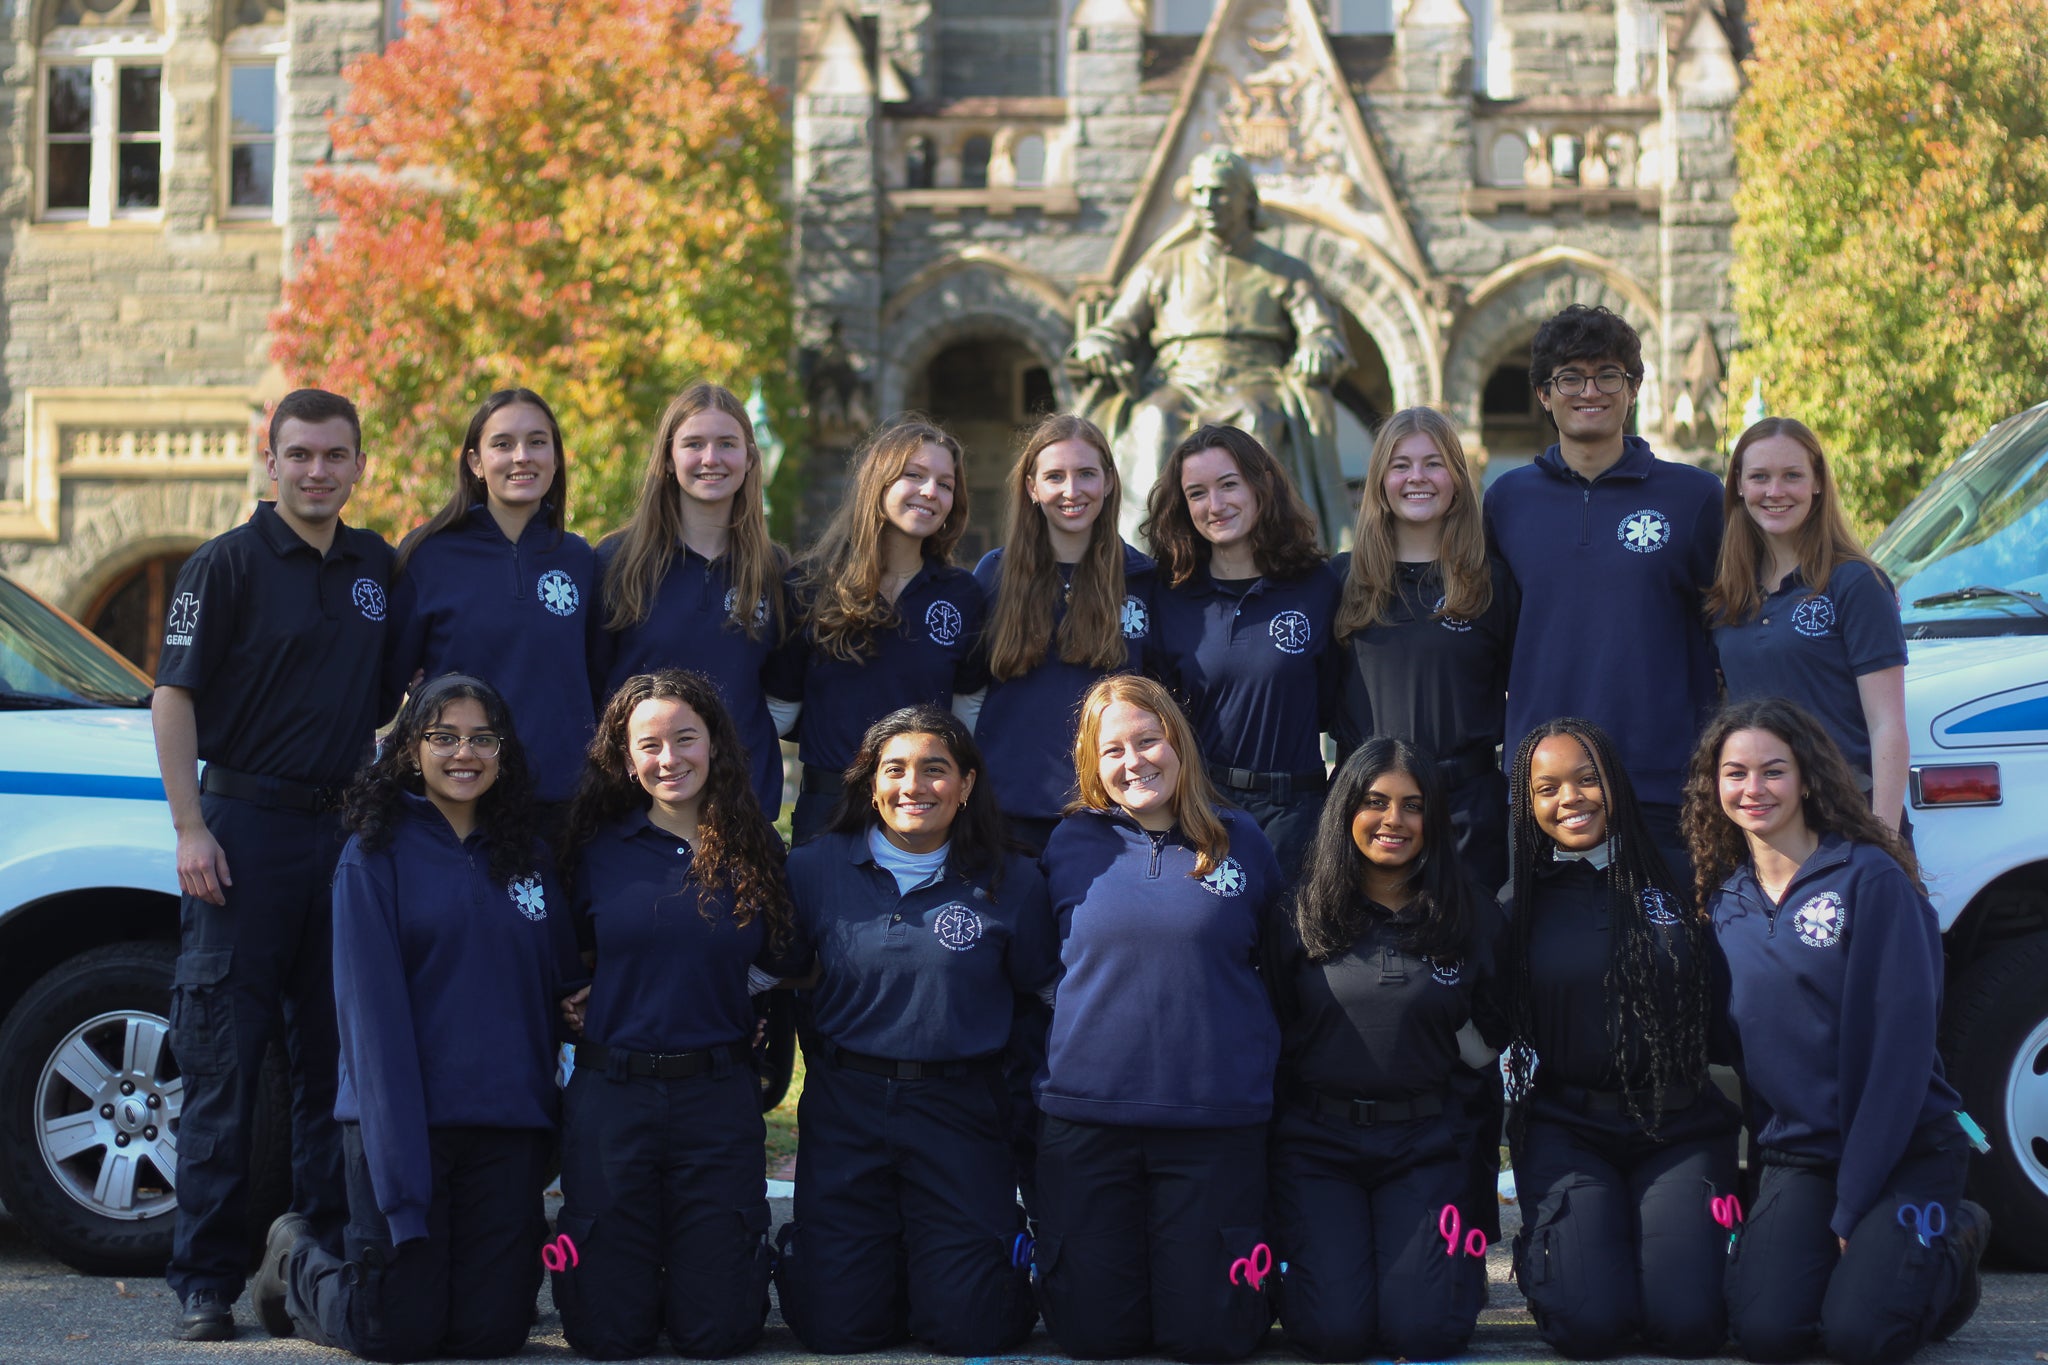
(1242, 628)
(681, 907)
(887, 619)
(1159, 1075)
(1426, 628)
(1799, 610)
(1378, 973)
(1068, 604)
(1860, 1242)
(1620, 1141)
(494, 585)
(1612, 551)
(270, 675)
(928, 932)
(693, 580)
(451, 953)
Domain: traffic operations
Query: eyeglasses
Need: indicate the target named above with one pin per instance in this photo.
(1571, 383)
(442, 744)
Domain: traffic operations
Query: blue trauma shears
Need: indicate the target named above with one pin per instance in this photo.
(1924, 1220)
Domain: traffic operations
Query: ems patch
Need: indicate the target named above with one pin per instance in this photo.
(1821, 921)
(1135, 619)
(944, 622)
(1446, 973)
(1815, 617)
(1291, 632)
(1457, 623)
(527, 895)
(183, 619)
(1226, 878)
(957, 927)
(368, 595)
(732, 598)
(1659, 906)
(557, 592)
(1644, 531)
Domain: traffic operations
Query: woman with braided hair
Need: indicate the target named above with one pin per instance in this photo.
(1620, 1142)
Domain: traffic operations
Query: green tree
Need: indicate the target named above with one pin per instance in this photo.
(577, 196)
(1891, 249)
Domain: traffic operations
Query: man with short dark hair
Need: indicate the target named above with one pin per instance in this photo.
(269, 674)
(1613, 550)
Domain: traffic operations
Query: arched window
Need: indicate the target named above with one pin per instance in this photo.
(252, 96)
(1510, 153)
(918, 164)
(101, 149)
(1029, 157)
(974, 155)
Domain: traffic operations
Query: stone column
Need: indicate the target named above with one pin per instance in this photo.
(192, 77)
(1114, 127)
(1695, 244)
(325, 36)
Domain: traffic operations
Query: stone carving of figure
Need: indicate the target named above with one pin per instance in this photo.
(1219, 329)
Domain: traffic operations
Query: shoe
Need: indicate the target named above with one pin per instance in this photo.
(267, 1290)
(208, 1317)
(1968, 1231)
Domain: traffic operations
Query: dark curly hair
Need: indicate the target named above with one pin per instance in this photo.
(505, 814)
(1669, 1025)
(978, 837)
(737, 848)
(1284, 542)
(1584, 332)
(1833, 804)
(1330, 908)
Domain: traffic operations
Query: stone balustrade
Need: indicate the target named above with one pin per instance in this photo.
(998, 154)
(1543, 153)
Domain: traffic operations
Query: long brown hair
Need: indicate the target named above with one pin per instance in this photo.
(470, 490)
(1284, 543)
(1194, 796)
(1825, 540)
(1461, 551)
(736, 846)
(842, 575)
(648, 543)
(1091, 633)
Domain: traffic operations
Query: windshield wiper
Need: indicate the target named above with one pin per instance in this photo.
(10, 700)
(2029, 600)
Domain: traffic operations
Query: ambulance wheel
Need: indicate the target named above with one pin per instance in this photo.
(1995, 1045)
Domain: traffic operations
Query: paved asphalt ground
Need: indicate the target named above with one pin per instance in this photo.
(50, 1315)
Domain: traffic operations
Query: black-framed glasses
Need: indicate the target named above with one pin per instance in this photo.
(445, 744)
(1571, 383)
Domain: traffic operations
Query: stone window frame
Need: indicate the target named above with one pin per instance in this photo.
(105, 51)
(256, 46)
(139, 434)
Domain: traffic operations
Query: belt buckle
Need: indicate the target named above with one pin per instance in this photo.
(909, 1071)
(1364, 1113)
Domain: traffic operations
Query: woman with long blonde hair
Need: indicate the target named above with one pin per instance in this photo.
(1068, 605)
(886, 618)
(694, 579)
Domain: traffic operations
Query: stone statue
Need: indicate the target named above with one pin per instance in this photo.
(1219, 329)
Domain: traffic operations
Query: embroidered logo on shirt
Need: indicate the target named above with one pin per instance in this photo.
(369, 598)
(1814, 618)
(184, 619)
(945, 622)
(1820, 922)
(1291, 632)
(1446, 973)
(1226, 879)
(1644, 531)
(732, 598)
(957, 927)
(1659, 907)
(1457, 623)
(558, 593)
(527, 895)
(1135, 619)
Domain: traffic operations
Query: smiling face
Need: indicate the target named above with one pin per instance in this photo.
(461, 776)
(1589, 416)
(1138, 765)
(1777, 485)
(516, 456)
(315, 465)
(669, 747)
(1419, 485)
(1387, 826)
(709, 455)
(1068, 484)
(1221, 502)
(917, 501)
(1566, 794)
(1760, 786)
(919, 790)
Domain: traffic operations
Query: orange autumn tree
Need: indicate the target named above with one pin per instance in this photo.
(1891, 248)
(576, 196)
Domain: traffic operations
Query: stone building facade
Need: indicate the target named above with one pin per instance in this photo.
(971, 178)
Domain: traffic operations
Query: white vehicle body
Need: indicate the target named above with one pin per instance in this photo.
(81, 806)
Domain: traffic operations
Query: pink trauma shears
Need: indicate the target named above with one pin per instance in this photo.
(1255, 1267)
(1447, 1226)
(559, 1254)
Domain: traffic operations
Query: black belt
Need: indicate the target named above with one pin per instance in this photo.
(913, 1071)
(1365, 1113)
(1281, 786)
(1588, 1101)
(1459, 769)
(662, 1066)
(276, 792)
(819, 781)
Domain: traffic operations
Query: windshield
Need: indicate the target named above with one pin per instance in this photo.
(1982, 524)
(46, 659)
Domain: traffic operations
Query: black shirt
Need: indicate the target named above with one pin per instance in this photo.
(282, 648)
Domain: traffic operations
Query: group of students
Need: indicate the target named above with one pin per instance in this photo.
(1074, 905)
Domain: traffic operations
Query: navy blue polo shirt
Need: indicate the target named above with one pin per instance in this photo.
(1612, 575)
(690, 626)
(448, 985)
(932, 976)
(1834, 996)
(520, 616)
(1161, 1020)
(1811, 647)
(1027, 723)
(282, 649)
(933, 652)
(1439, 682)
(1252, 671)
(672, 964)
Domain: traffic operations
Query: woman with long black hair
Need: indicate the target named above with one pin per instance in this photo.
(1620, 1141)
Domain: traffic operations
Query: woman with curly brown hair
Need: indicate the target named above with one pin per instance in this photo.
(680, 905)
